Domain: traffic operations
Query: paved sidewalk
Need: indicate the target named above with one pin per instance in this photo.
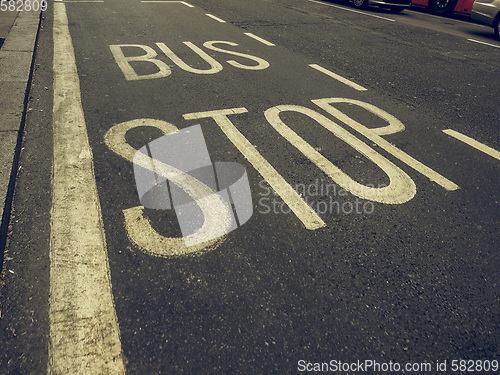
(18, 31)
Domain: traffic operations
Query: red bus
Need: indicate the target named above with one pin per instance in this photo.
(446, 7)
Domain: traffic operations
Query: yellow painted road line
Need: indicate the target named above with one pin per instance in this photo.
(84, 333)
(338, 77)
(472, 142)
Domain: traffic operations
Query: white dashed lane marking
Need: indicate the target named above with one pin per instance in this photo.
(352, 10)
(258, 38)
(215, 18)
(487, 44)
(168, 2)
(338, 77)
(472, 142)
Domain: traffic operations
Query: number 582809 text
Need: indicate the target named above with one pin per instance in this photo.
(23, 5)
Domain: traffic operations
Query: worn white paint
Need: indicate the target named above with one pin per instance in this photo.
(472, 142)
(299, 207)
(374, 134)
(261, 63)
(116, 141)
(215, 66)
(129, 72)
(216, 212)
(401, 187)
(142, 234)
(124, 62)
(84, 333)
(338, 77)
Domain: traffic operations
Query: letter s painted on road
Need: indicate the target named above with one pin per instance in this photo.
(139, 229)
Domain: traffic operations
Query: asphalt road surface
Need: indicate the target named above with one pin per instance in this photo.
(372, 233)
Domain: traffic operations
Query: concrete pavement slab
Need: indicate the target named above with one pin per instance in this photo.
(7, 19)
(14, 65)
(22, 35)
(19, 29)
(8, 141)
(12, 96)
